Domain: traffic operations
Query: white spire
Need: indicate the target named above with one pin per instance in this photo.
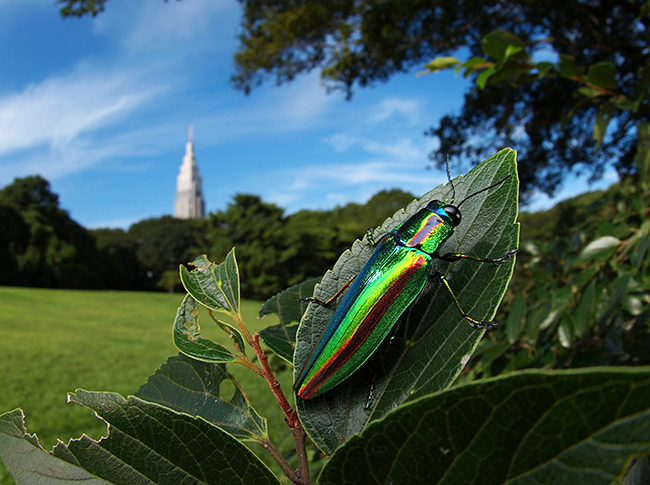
(189, 195)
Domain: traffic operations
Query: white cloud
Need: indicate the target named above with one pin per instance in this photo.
(58, 110)
(404, 150)
(155, 26)
(388, 107)
(305, 99)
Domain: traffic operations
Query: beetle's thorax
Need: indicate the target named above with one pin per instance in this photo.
(427, 228)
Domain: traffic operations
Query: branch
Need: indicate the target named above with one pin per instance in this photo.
(290, 417)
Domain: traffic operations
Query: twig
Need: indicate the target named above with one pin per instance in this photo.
(290, 416)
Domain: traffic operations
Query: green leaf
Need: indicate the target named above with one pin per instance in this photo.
(567, 330)
(617, 290)
(584, 310)
(603, 75)
(215, 286)
(515, 320)
(281, 339)
(440, 63)
(286, 304)
(194, 387)
(482, 79)
(531, 427)
(28, 463)
(187, 335)
(543, 68)
(474, 63)
(603, 117)
(497, 43)
(146, 444)
(433, 342)
(512, 50)
(601, 248)
(568, 68)
(234, 332)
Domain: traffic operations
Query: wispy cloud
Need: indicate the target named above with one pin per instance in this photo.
(156, 26)
(58, 110)
(402, 150)
(390, 106)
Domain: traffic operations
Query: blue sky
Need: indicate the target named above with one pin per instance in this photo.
(101, 108)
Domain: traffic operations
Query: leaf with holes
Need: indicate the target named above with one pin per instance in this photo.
(194, 387)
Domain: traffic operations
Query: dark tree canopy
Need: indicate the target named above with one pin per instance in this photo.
(356, 43)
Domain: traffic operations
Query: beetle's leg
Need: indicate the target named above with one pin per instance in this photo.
(370, 401)
(457, 256)
(370, 237)
(313, 299)
(485, 324)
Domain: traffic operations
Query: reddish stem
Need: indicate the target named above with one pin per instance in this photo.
(290, 415)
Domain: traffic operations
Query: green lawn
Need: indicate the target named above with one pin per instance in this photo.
(55, 341)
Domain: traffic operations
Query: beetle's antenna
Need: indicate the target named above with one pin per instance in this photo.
(453, 189)
(486, 188)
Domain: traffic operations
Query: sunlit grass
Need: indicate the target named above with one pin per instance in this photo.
(55, 341)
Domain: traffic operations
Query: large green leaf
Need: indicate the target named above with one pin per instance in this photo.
(28, 463)
(433, 342)
(195, 387)
(147, 444)
(572, 427)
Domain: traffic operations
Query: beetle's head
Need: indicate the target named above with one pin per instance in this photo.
(454, 214)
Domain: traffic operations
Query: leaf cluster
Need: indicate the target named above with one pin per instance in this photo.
(580, 426)
(580, 295)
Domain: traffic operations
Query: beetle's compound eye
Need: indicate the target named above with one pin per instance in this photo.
(454, 214)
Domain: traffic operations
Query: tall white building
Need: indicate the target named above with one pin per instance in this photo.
(189, 195)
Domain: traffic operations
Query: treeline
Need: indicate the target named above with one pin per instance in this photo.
(41, 246)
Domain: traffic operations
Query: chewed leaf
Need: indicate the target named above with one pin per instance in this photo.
(215, 286)
(146, 444)
(194, 387)
(29, 463)
(187, 335)
(432, 339)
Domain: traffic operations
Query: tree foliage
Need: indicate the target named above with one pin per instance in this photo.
(40, 245)
(356, 43)
(44, 245)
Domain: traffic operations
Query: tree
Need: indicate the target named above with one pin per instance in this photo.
(358, 43)
(256, 229)
(163, 243)
(120, 268)
(14, 239)
(59, 252)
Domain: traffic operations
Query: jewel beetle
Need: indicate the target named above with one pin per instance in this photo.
(389, 282)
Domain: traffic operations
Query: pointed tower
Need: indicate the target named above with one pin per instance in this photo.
(189, 195)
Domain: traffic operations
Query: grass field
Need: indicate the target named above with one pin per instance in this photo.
(55, 341)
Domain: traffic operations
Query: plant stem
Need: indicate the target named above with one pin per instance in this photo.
(290, 416)
(279, 459)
